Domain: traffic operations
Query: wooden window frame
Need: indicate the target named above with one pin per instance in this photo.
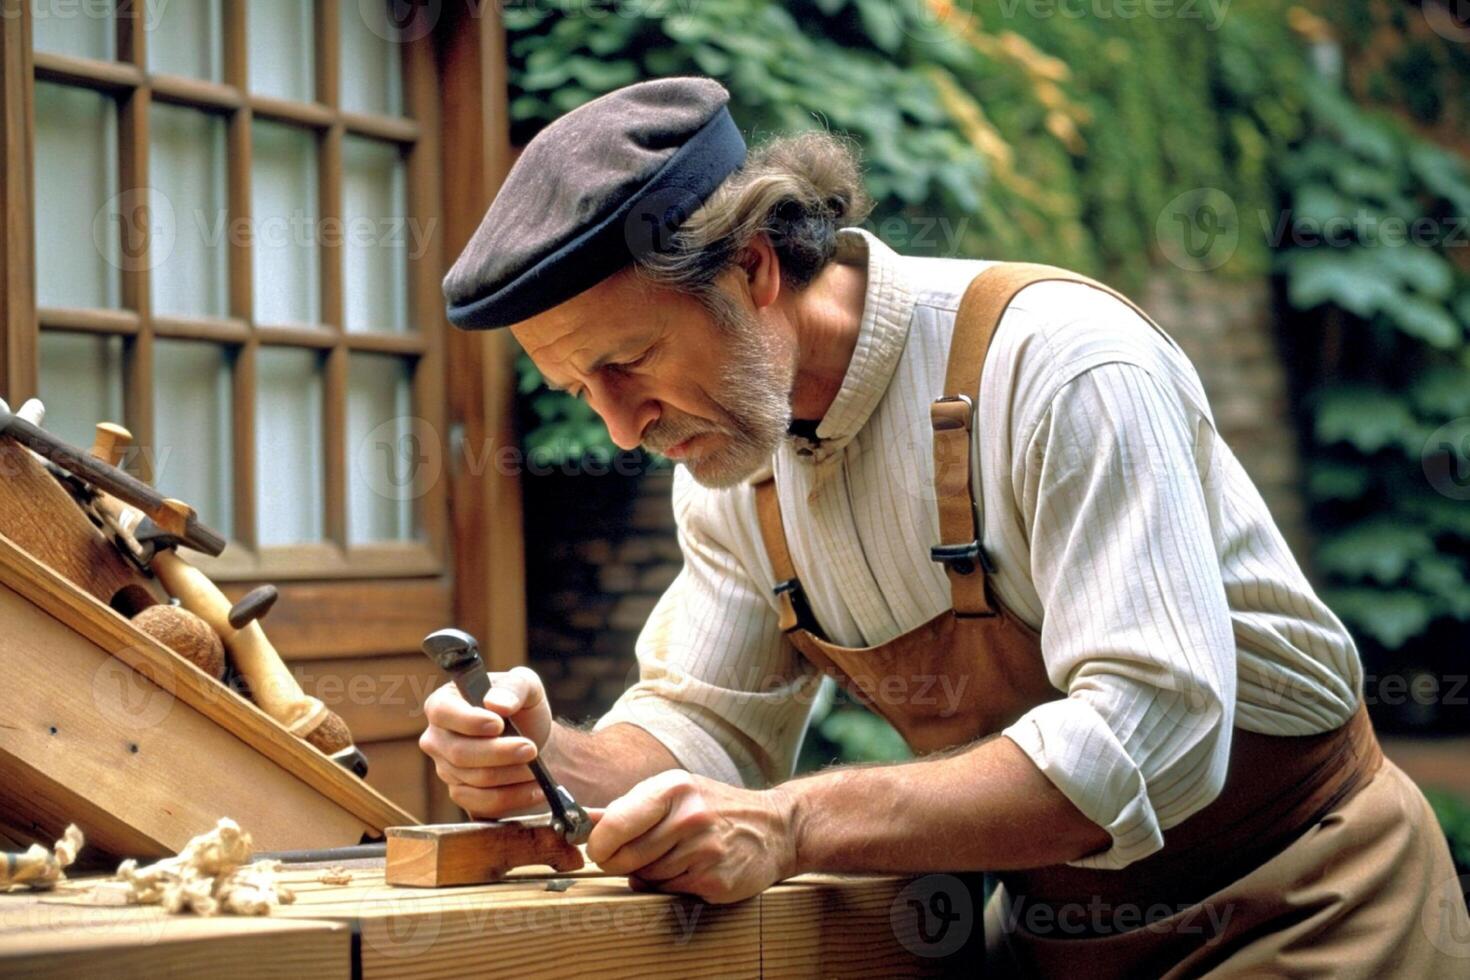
(134, 88)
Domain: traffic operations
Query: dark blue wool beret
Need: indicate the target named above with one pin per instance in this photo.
(603, 185)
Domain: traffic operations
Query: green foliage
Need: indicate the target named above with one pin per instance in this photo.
(844, 731)
(559, 429)
(1454, 816)
(1371, 214)
(984, 131)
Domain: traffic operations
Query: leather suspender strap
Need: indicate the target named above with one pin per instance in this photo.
(796, 613)
(953, 418)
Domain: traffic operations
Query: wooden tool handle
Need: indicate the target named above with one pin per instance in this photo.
(119, 483)
(271, 683)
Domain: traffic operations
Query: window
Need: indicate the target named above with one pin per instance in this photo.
(235, 255)
(232, 244)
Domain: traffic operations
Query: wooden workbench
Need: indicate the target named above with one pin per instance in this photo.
(813, 926)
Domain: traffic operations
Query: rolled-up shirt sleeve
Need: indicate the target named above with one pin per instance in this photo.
(719, 684)
(1137, 629)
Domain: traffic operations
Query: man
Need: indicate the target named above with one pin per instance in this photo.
(1040, 537)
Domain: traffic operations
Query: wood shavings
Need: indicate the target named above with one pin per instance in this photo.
(335, 876)
(37, 868)
(209, 876)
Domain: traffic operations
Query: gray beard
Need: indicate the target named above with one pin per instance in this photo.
(755, 394)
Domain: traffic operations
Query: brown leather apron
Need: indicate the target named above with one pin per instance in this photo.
(989, 664)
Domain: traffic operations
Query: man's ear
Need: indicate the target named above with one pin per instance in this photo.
(762, 271)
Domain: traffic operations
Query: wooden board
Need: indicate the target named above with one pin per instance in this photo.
(442, 855)
(842, 926)
(314, 620)
(40, 939)
(517, 928)
(814, 926)
(100, 743)
(146, 747)
(41, 517)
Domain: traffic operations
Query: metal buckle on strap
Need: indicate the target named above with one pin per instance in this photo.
(962, 558)
(804, 618)
(952, 412)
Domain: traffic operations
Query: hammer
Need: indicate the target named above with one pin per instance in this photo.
(458, 654)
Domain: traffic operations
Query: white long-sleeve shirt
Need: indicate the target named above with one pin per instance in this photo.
(1120, 525)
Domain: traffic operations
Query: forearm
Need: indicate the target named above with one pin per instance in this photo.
(987, 807)
(598, 767)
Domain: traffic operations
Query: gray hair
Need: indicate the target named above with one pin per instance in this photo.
(797, 190)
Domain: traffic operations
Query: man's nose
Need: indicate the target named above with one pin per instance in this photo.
(625, 415)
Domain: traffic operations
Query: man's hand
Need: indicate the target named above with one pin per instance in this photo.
(485, 771)
(678, 832)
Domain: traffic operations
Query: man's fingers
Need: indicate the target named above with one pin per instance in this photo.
(689, 853)
(500, 801)
(626, 819)
(649, 822)
(639, 852)
(515, 690)
(475, 753)
(446, 708)
(484, 778)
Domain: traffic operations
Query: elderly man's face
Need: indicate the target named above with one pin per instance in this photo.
(712, 391)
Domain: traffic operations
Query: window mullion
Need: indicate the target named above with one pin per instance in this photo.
(136, 216)
(19, 364)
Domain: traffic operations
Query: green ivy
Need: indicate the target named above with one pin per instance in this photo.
(1392, 311)
(984, 133)
(1454, 816)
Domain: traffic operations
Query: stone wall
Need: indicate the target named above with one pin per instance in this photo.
(600, 549)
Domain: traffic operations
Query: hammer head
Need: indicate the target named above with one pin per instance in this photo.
(453, 650)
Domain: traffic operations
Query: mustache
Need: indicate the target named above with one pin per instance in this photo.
(669, 431)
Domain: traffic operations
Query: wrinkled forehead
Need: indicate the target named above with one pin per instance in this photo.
(621, 312)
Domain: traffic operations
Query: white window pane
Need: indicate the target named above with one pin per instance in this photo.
(185, 37)
(280, 34)
(377, 233)
(388, 465)
(372, 56)
(283, 195)
(81, 383)
(192, 458)
(190, 266)
(83, 28)
(288, 445)
(77, 227)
